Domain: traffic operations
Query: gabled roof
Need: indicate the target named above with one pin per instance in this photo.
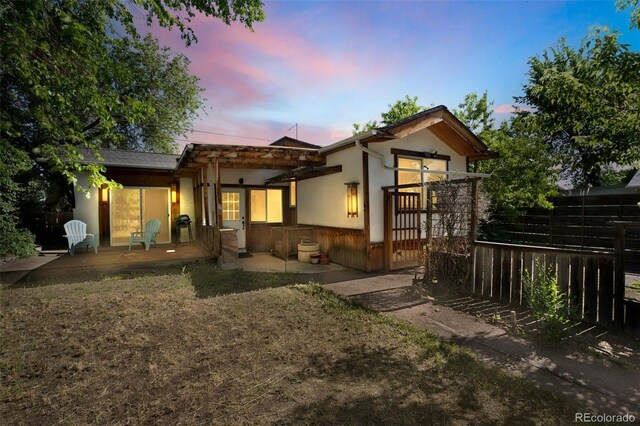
(296, 143)
(131, 159)
(439, 121)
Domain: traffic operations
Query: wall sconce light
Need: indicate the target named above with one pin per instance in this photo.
(104, 196)
(174, 193)
(352, 199)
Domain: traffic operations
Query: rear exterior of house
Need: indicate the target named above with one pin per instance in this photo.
(337, 195)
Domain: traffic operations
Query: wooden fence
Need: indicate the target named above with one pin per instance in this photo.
(580, 222)
(593, 280)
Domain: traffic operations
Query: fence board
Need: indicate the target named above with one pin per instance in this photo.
(576, 284)
(591, 291)
(516, 276)
(478, 270)
(488, 269)
(605, 296)
(495, 284)
(505, 281)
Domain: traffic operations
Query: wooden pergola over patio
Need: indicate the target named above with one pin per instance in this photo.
(203, 163)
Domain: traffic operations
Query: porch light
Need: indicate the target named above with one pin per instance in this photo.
(352, 199)
(104, 196)
(174, 193)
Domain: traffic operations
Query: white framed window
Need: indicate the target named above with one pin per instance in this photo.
(230, 206)
(266, 205)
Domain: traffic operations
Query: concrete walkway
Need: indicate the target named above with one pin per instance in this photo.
(604, 387)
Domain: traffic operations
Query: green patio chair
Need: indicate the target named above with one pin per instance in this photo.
(146, 237)
(76, 235)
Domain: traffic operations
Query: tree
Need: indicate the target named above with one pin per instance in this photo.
(634, 5)
(586, 103)
(76, 74)
(524, 174)
(476, 113)
(398, 111)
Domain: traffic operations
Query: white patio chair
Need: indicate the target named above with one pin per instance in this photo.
(76, 235)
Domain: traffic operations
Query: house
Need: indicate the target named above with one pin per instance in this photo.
(341, 193)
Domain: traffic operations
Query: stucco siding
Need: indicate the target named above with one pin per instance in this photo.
(86, 209)
(187, 206)
(323, 200)
(249, 176)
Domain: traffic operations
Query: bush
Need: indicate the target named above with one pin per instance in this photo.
(15, 242)
(547, 304)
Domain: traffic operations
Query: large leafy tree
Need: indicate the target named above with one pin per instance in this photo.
(76, 74)
(586, 103)
(397, 111)
(524, 175)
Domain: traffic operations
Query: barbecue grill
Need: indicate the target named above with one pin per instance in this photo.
(183, 221)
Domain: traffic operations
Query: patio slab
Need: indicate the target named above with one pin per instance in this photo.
(264, 262)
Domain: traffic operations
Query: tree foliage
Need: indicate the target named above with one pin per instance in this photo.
(634, 5)
(397, 111)
(76, 74)
(586, 103)
(524, 175)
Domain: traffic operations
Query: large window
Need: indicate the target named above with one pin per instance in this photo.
(266, 205)
(418, 177)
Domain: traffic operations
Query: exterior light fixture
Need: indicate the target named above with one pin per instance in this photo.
(352, 199)
(104, 196)
(174, 193)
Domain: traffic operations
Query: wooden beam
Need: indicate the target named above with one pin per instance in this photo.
(410, 128)
(365, 207)
(218, 189)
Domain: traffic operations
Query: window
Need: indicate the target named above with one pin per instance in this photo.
(417, 177)
(293, 194)
(230, 206)
(266, 205)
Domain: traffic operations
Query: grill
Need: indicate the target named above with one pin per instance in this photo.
(183, 221)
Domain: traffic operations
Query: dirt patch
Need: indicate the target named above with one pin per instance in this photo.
(148, 351)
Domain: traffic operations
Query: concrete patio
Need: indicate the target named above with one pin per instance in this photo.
(58, 265)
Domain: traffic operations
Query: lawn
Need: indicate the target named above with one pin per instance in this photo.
(158, 349)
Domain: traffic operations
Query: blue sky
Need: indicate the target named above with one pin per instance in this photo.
(326, 65)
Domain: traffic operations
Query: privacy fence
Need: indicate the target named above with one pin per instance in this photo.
(583, 222)
(593, 280)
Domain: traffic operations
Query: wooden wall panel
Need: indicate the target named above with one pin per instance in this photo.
(343, 246)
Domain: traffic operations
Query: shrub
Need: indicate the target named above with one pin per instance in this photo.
(547, 303)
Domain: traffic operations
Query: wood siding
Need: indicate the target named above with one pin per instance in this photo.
(343, 246)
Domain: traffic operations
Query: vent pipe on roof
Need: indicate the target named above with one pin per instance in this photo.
(380, 157)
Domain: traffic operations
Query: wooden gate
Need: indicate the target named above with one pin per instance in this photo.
(402, 244)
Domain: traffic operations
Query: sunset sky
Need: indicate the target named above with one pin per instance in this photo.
(328, 64)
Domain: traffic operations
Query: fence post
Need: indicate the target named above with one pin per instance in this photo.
(618, 292)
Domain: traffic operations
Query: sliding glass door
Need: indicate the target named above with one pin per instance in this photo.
(132, 208)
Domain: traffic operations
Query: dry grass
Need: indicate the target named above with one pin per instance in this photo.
(148, 351)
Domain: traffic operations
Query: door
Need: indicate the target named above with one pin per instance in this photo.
(132, 208)
(233, 214)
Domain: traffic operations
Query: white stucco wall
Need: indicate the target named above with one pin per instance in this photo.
(86, 209)
(421, 141)
(323, 200)
(187, 205)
